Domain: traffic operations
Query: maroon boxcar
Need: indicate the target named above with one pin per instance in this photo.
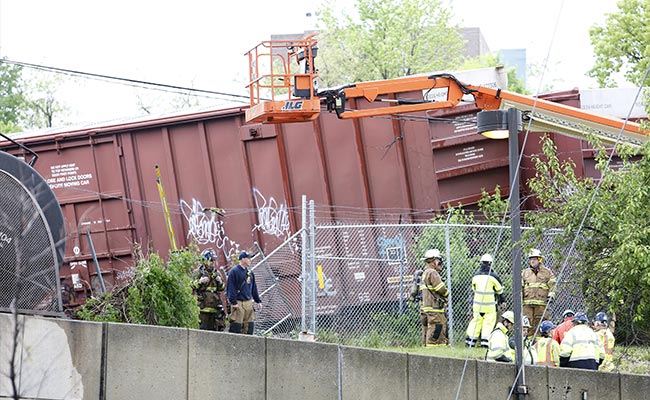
(105, 180)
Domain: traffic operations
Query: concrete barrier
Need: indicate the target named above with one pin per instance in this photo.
(575, 384)
(301, 370)
(57, 359)
(62, 359)
(537, 382)
(635, 386)
(438, 378)
(226, 366)
(145, 362)
(373, 374)
(494, 380)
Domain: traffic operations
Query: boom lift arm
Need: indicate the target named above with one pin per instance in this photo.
(302, 102)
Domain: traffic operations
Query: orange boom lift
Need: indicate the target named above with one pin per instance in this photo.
(288, 92)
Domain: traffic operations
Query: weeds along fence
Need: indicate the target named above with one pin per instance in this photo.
(348, 282)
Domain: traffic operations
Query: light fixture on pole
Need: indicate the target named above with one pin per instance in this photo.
(502, 124)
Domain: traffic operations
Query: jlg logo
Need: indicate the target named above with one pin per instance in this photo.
(292, 105)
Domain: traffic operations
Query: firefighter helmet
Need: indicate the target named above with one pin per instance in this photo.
(546, 326)
(580, 318)
(432, 253)
(208, 254)
(486, 258)
(509, 316)
(601, 317)
(525, 322)
(535, 253)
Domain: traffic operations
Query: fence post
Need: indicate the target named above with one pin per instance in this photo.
(450, 309)
(303, 238)
(312, 269)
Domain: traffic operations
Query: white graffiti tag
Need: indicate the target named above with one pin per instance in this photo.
(207, 229)
(273, 218)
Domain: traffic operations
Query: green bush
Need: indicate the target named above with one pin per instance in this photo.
(160, 293)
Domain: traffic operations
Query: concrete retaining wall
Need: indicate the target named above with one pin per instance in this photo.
(58, 359)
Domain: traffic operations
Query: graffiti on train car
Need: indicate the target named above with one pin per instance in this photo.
(273, 217)
(207, 228)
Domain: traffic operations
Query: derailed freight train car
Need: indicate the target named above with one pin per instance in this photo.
(104, 178)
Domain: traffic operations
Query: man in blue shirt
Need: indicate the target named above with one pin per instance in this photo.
(241, 291)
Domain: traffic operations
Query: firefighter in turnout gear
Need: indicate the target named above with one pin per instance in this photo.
(498, 343)
(208, 287)
(488, 290)
(432, 303)
(581, 346)
(538, 283)
(601, 327)
(548, 350)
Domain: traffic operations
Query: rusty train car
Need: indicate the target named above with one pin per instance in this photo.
(105, 180)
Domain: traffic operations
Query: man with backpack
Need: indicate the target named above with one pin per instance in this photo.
(432, 303)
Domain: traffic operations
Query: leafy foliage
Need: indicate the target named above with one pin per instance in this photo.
(12, 100)
(160, 293)
(623, 44)
(387, 39)
(612, 262)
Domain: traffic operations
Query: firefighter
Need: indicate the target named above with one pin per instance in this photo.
(498, 343)
(487, 288)
(432, 303)
(208, 287)
(601, 327)
(538, 283)
(581, 347)
(547, 349)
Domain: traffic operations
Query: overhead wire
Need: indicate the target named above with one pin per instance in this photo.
(132, 82)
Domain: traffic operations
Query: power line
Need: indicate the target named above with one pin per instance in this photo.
(131, 82)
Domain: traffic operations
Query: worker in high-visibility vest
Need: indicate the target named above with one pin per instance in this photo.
(547, 349)
(538, 284)
(581, 346)
(601, 327)
(498, 343)
(488, 290)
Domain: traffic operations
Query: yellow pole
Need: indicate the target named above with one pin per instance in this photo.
(168, 220)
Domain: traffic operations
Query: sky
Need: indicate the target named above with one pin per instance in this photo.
(201, 43)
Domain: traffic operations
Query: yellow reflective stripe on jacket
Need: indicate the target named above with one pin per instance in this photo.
(438, 286)
(426, 309)
(537, 285)
(535, 302)
(208, 310)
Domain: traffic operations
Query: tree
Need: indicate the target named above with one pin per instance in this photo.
(41, 105)
(388, 39)
(12, 99)
(623, 44)
(612, 257)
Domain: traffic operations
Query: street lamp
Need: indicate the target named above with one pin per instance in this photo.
(501, 124)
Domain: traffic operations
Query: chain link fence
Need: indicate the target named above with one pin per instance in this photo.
(348, 281)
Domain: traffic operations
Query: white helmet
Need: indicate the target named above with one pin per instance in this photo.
(509, 316)
(535, 253)
(486, 258)
(432, 253)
